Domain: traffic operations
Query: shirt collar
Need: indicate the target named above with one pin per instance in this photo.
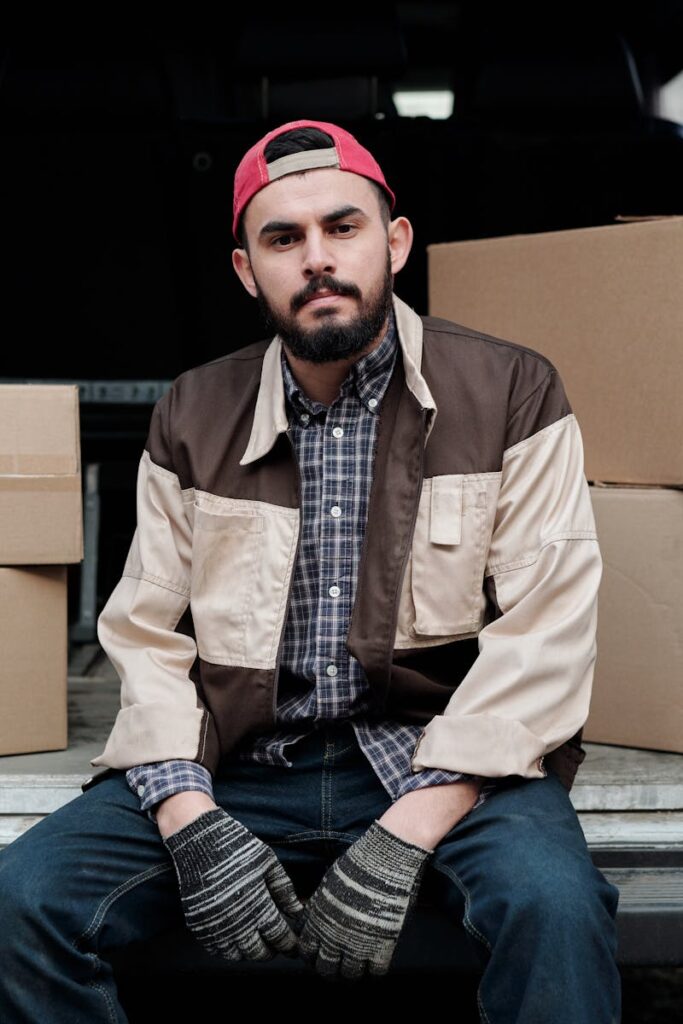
(368, 377)
(270, 410)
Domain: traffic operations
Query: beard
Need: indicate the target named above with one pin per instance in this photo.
(331, 339)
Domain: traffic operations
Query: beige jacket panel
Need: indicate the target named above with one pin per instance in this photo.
(529, 689)
(136, 628)
(442, 598)
(243, 555)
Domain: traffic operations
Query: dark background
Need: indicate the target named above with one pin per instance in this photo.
(121, 143)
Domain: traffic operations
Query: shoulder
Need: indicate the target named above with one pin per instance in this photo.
(220, 379)
(498, 371)
(472, 342)
(241, 360)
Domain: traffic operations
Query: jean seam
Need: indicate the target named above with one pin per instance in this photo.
(468, 922)
(484, 1014)
(311, 834)
(343, 750)
(109, 900)
(326, 785)
(97, 965)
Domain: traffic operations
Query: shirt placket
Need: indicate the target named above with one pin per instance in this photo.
(337, 526)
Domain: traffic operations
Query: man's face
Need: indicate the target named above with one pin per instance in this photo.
(296, 252)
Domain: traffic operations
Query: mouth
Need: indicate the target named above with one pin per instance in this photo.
(324, 299)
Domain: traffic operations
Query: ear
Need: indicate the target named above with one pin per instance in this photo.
(400, 234)
(242, 265)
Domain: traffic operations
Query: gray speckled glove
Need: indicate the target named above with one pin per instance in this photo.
(234, 890)
(353, 920)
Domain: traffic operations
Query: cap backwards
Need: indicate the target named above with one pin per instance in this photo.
(254, 172)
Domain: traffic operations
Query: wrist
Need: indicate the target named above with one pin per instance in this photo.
(180, 809)
(424, 816)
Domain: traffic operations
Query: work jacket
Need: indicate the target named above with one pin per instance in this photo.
(475, 609)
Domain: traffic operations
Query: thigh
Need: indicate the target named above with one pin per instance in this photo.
(523, 847)
(96, 868)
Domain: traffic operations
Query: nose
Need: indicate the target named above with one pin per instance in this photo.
(317, 255)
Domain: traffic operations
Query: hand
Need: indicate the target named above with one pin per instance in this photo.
(352, 922)
(234, 890)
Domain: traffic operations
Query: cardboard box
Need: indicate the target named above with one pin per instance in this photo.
(637, 698)
(41, 506)
(33, 671)
(605, 305)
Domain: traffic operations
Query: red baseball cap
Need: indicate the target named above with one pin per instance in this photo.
(254, 172)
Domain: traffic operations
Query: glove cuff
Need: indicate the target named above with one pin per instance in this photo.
(383, 839)
(186, 844)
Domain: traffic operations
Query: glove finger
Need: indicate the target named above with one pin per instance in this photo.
(327, 963)
(352, 968)
(282, 890)
(299, 919)
(254, 948)
(225, 950)
(211, 938)
(307, 945)
(247, 941)
(298, 923)
(382, 956)
(278, 934)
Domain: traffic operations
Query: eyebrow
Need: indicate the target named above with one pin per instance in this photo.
(288, 225)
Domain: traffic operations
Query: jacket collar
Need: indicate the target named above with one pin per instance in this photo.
(270, 415)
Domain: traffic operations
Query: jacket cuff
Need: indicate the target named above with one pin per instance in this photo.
(479, 744)
(150, 732)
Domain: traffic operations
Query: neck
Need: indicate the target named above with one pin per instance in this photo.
(322, 381)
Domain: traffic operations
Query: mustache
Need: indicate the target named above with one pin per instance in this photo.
(330, 287)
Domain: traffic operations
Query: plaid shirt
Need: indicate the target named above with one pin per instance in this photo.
(319, 679)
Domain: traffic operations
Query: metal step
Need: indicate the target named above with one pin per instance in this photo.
(649, 915)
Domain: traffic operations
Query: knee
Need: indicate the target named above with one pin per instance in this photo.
(568, 895)
(15, 898)
(15, 936)
(26, 884)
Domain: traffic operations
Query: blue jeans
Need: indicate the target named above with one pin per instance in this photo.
(516, 873)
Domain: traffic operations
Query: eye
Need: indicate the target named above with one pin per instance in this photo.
(280, 241)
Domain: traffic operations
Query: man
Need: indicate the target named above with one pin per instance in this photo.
(380, 525)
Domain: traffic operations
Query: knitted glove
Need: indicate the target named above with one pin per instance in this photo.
(233, 889)
(354, 918)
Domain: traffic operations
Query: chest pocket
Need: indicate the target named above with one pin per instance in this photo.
(448, 555)
(225, 552)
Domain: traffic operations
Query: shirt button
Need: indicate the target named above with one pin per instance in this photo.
(372, 402)
(141, 790)
(336, 511)
(334, 591)
(331, 670)
(305, 417)
(338, 432)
